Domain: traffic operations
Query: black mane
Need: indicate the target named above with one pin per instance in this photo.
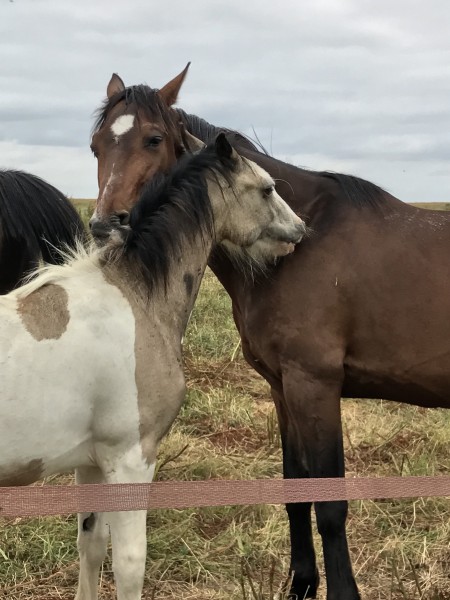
(207, 133)
(172, 208)
(147, 102)
(357, 190)
(37, 217)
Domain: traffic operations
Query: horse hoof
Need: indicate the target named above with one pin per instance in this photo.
(303, 587)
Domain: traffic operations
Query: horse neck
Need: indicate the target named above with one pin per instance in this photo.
(187, 271)
(184, 280)
(168, 304)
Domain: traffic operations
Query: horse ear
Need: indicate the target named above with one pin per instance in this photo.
(115, 85)
(169, 92)
(191, 143)
(223, 147)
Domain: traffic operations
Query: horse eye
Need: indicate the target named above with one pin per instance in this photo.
(268, 191)
(153, 142)
(94, 151)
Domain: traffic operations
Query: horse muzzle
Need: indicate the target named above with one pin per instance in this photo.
(290, 235)
(299, 234)
(100, 229)
(287, 240)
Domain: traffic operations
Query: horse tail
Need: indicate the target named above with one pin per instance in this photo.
(37, 217)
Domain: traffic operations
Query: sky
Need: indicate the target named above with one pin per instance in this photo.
(354, 86)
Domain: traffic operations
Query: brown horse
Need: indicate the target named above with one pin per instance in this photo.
(360, 310)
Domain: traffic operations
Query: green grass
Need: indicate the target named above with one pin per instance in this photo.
(227, 429)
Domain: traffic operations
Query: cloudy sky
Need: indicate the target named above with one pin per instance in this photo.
(355, 86)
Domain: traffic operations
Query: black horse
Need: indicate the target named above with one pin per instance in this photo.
(37, 221)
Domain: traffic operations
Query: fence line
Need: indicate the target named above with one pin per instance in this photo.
(49, 500)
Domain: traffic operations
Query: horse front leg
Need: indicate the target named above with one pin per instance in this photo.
(303, 569)
(313, 408)
(93, 534)
(129, 549)
(128, 529)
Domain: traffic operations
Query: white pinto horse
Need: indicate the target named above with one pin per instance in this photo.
(90, 352)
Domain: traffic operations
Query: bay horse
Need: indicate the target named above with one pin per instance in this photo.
(91, 350)
(360, 310)
(36, 221)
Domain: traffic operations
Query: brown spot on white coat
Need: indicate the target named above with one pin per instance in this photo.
(45, 312)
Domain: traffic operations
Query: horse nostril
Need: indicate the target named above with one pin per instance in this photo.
(123, 216)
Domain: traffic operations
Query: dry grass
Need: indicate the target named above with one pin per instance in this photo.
(433, 205)
(227, 429)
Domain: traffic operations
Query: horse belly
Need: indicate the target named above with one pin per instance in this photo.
(45, 416)
(425, 385)
(398, 331)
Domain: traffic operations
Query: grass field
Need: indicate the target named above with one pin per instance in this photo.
(433, 205)
(227, 429)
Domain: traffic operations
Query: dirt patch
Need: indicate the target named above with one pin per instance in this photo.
(243, 438)
(207, 375)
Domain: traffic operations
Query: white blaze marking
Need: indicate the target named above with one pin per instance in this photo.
(108, 183)
(121, 125)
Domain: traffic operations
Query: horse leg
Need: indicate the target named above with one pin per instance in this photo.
(303, 569)
(313, 406)
(128, 529)
(93, 534)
